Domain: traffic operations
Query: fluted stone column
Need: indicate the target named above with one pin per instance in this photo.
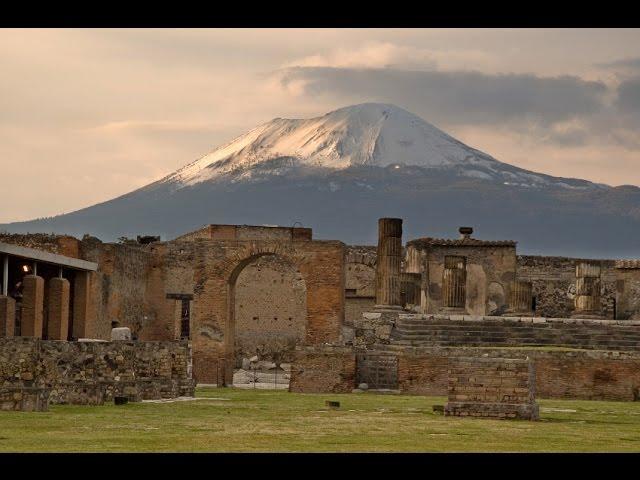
(388, 265)
(454, 281)
(521, 298)
(587, 301)
(7, 316)
(32, 306)
(58, 308)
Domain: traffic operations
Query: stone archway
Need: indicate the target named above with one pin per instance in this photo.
(267, 311)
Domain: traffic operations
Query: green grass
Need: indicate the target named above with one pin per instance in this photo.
(232, 420)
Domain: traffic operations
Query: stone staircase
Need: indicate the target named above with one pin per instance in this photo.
(424, 330)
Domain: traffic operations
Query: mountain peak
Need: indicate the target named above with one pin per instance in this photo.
(372, 134)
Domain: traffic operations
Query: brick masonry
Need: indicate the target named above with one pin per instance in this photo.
(270, 310)
(571, 374)
(460, 330)
(7, 316)
(491, 388)
(58, 309)
(323, 369)
(32, 306)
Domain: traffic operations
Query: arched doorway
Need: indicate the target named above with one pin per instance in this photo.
(268, 318)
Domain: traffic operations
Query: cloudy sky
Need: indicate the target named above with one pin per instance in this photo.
(87, 115)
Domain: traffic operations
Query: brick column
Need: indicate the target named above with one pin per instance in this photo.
(388, 264)
(7, 316)
(587, 301)
(81, 306)
(58, 308)
(32, 306)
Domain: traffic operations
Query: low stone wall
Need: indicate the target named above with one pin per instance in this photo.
(560, 374)
(25, 399)
(491, 387)
(94, 372)
(323, 369)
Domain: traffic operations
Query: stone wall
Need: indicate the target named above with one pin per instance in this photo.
(52, 243)
(92, 372)
(323, 369)
(491, 388)
(360, 284)
(554, 284)
(24, 399)
(119, 289)
(628, 292)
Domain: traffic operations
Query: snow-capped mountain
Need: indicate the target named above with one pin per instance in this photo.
(340, 172)
(369, 134)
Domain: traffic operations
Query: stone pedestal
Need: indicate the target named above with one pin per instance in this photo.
(7, 316)
(58, 309)
(388, 294)
(588, 302)
(121, 334)
(32, 306)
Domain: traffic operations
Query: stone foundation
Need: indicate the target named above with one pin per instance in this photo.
(24, 399)
(491, 388)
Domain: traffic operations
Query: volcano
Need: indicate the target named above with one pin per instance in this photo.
(338, 173)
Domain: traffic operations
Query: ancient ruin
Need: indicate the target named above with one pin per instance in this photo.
(261, 305)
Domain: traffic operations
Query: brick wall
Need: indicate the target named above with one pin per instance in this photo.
(323, 369)
(270, 309)
(571, 374)
(491, 387)
(459, 330)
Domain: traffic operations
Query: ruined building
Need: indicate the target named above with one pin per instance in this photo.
(237, 292)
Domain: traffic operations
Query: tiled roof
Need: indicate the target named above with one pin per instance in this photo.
(627, 263)
(459, 242)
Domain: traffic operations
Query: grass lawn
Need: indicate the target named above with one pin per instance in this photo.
(233, 420)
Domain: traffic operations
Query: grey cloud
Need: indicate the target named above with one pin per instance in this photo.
(624, 63)
(628, 99)
(460, 97)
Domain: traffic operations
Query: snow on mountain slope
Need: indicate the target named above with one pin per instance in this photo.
(369, 134)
